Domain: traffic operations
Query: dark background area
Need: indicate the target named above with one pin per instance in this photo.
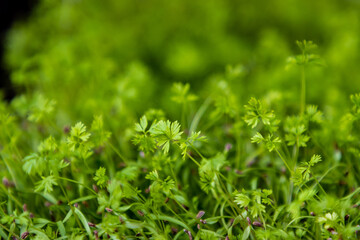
(10, 11)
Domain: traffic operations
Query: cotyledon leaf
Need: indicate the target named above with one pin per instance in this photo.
(84, 222)
(89, 197)
(61, 228)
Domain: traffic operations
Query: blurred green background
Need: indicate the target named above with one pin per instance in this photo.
(120, 58)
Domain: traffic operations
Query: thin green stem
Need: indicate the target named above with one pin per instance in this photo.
(73, 181)
(286, 164)
(227, 180)
(199, 115)
(173, 173)
(235, 209)
(8, 192)
(197, 151)
(71, 207)
(177, 215)
(11, 232)
(303, 90)
(321, 188)
(198, 164)
(222, 214)
(183, 120)
(118, 153)
(229, 200)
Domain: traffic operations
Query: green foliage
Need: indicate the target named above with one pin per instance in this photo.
(190, 142)
(78, 140)
(295, 133)
(46, 184)
(307, 57)
(181, 95)
(99, 134)
(255, 204)
(270, 141)
(143, 139)
(302, 174)
(129, 125)
(100, 177)
(256, 112)
(164, 133)
(78, 136)
(41, 109)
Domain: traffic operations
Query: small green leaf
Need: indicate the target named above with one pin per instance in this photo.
(169, 219)
(165, 133)
(68, 215)
(314, 160)
(38, 233)
(83, 199)
(84, 222)
(153, 176)
(132, 224)
(46, 184)
(141, 127)
(257, 138)
(246, 233)
(101, 178)
(242, 200)
(61, 228)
